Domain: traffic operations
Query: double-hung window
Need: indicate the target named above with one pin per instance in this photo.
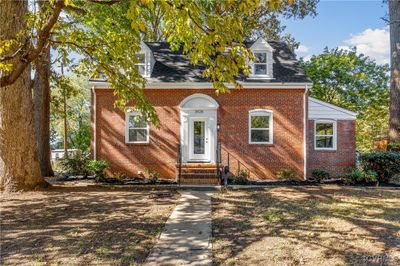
(325, 135)
(137, 129)
(141, 64)
(260, 66)
(260, 127)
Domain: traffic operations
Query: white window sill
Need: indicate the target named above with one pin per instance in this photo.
(325, 149)
(263, 143)
(137, 142)
(259, 77)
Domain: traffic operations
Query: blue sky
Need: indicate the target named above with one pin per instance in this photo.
(344, 24)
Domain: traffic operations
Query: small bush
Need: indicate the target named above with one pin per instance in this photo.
(319, 174)
(288, 174)
(241, 177)
(98, 169)
(385, 164)
(75, 165)
(152, 176)
(355, 175)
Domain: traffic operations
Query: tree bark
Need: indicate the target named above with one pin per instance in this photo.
(41, 103)
(19, 164)
(394, 123)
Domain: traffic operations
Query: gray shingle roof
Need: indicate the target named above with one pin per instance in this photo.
(173, 66)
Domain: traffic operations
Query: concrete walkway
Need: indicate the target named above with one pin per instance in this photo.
(187, 233)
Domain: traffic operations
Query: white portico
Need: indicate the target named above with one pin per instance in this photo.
(198, 128)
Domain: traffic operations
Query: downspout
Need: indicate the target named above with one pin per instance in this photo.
(305, 131)
(94, 124)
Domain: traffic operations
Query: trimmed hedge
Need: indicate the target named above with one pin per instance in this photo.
(384, 164)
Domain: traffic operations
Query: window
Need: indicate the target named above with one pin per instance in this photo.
(260, 66)
(137, 129)
(325, 135)
(260, 127)
(141, 64)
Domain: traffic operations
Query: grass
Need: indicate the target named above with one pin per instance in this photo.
(324, 225)
(81, 226)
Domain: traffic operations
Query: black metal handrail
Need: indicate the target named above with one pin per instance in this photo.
(179, 159)
(218, 160)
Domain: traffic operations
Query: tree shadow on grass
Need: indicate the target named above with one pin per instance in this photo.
(295, 225)
(81, 226)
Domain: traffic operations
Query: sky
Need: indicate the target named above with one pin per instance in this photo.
(344, 23)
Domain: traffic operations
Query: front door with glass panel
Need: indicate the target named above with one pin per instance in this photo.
(199, 147)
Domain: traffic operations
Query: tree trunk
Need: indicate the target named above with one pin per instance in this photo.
(19, 164)
(394, 124)
(41, 104)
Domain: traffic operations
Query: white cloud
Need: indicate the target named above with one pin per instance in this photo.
(302, 49)
(374, 43)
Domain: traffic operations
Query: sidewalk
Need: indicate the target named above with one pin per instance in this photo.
(186, 236)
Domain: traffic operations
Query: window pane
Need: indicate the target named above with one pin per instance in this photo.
(141, 69)
(137, 134)
(261, 57)
(199, 137)
(136, 121)
(324, 129)
(324, 142)
(260, 135)
(260, 69)
(260, 121)
(141, 58)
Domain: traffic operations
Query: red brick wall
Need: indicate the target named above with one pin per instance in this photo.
(335, 162)
(263, 161)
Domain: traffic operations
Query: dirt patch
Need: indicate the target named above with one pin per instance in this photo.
(324, 225)
(82, 225)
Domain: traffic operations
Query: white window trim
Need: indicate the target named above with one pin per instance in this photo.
(267, 64)
(334, 135)
(145, 64)
(262, 112)
(127, 114)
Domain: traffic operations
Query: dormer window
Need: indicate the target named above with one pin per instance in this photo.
(141, 64)
(260, 66)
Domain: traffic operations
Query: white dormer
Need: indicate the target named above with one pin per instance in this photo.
(146, 60)
(263, 67)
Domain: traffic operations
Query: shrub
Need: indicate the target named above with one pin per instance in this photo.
(288, 174)
(385, 164)
(75, 164)
(98, 169)
(152, 176)
(320, 174)
(355, 175)
(241, 177)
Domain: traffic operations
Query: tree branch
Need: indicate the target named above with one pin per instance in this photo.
(43, 38)
(105, 2)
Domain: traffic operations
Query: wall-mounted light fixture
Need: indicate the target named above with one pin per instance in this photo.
(218, 126)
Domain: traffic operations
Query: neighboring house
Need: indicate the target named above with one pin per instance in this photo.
(269, 125)
(58, 154)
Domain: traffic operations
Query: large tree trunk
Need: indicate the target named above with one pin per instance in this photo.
(19, 164)
(41, 103)
(394, 124)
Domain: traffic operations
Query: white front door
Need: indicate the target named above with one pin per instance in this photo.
(199, 143)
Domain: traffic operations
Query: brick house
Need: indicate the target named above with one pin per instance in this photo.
(269, 125)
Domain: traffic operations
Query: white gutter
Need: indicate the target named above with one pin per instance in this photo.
(209, 85)
(94, 124)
